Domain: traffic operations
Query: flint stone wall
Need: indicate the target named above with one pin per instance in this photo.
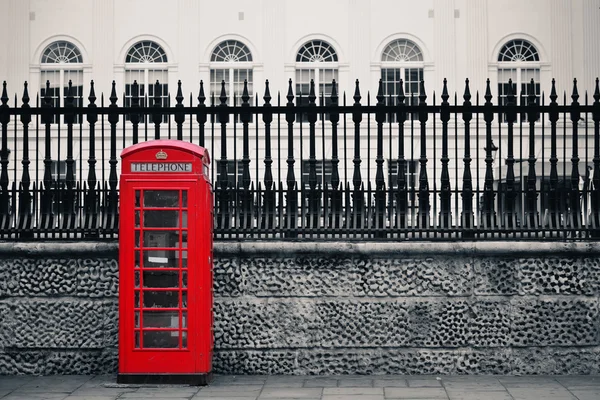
(325, 308)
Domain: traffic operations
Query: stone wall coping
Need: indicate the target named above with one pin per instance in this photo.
(495, 248)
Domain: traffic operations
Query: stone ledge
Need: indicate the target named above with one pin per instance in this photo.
(408, 248)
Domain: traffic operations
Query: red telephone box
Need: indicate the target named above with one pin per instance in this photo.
(165, 264)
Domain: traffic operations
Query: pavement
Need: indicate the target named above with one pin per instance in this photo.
(346, 387)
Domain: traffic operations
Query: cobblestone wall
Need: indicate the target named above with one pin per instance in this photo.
(326, 309)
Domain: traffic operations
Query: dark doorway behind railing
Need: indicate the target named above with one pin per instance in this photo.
(392, 169)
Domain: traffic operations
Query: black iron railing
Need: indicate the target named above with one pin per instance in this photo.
(448, 170)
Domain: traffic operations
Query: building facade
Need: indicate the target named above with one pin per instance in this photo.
(145, 41)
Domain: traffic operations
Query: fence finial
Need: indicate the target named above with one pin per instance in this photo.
(488, 92)
(575, 95)
(245, 95)
(113, 94)
(267, 96)
(467, 94)
(445, 95)
(401, 96)
(201, 96)
(596, 91)
(290, 94)
(25, 95)
(4, 97)
(92, 96)
(357, 96)
(179, 97)
(311, 94)
(379, 96)
(223, 95)
(422, 94)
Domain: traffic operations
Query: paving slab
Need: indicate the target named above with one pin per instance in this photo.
(478, 395)
(353, 397)
(390, 383)
(293, 393)
(586, 394)
(364, 382)
(415, 393)
(352, 391)
(320, 382)
(431, 382)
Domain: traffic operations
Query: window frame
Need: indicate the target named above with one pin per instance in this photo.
(64, 71)
(233, 68)
(316, 69)
(402, 66)
(519, 67)
(146, 68)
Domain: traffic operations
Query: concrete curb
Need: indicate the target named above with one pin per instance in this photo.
(496, 248)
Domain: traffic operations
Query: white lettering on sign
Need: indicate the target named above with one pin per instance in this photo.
(161, 167)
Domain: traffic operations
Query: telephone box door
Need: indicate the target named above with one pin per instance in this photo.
(159, 330)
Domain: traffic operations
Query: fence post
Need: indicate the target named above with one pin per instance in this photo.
(246, 117)
(467, 189)
(269, 196)
(509, 217)
(222, 179)
(91, 210)
(156, 115)
(423, 216)
(135, 117)
(292, 195)
(313, 194)
(4, 193)
(402, 193)
(358, 196)
(112, 216)
(201, 115)
(553, 115)
(445, 188)
(531, 213)
(179, 115)
(336, 194)
(380, 115)
(575, 209)
(489, 211)
(70, 197)
(47, 200)
(25, 217)
(595, 195)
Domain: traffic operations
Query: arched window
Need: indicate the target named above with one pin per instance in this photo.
(61, 62)
(146, 63)
(401, 59)
(315, 60)
(518, 60)
(231, 61)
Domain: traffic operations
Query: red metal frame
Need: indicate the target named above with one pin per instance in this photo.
(144, 347)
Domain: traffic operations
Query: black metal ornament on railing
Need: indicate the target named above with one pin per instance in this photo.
(380, 193)
(5, 217)
(111, 221)
(268, 216)
(509, 218)
(179, 115)
(575, 214)
(246, 195)
(595, 192)
(358, 198)
(91, 199)
(156, 107)
(335, 211)
(424, 203)
(291, 209)
(201, 115)
(488, 211)
(135, 117)
(68, 218)
(223, 209)
(445, 218)
(554, 213)
(402, 193)
(531, 195)
(467, 217)
(25, 218)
